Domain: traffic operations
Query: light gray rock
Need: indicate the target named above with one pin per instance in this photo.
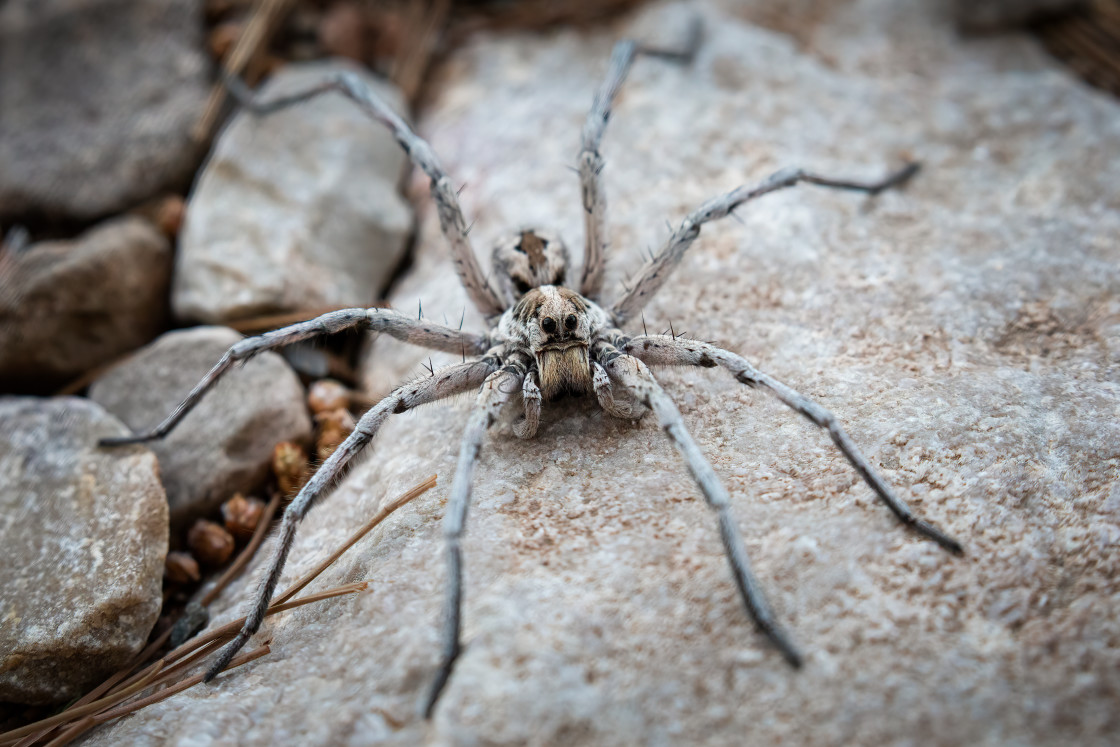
(97, 99)
(296, 210)
(965, 330)
(224, 445)
(84, 532)
(68, 306)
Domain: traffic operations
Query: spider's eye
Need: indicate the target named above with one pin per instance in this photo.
(522, 286)
(548, 324)
(570, 322)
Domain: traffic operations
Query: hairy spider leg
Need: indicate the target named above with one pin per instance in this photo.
(393, 323)
(658, 269)
(633, 375)
(444, 193)
(495, 392)
(596, 238)
(658, 350)
(447, 382)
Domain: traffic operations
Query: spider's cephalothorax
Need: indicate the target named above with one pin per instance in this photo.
(556, 324)
(550, 337)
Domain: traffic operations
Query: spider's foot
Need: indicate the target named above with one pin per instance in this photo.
(225, 656)
(899, 177)
(127, 440)
(788, 651)
(931, 532)
(442, 676)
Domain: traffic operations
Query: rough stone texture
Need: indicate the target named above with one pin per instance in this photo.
(964, 329)
(297, 210)
(84, 533)
(224, 445)
(68, 306)
(97, 98)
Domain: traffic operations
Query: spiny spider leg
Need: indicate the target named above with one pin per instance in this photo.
(601, 383)
(630, 373)
(657, 350)
(400, 326)
(496, 391)
(445, 383)
(531, 396)
(656, 271)
(446, 197)
(591, 163)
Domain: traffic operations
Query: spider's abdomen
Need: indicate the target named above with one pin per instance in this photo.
(527, 260)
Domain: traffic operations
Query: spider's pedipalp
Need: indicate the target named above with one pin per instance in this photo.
(604, 393)
(527, 426)
(495, 392)
(400, 326)
(658, 269)
(633, 375)
(444, 193)
(446, 382)
(666, 351)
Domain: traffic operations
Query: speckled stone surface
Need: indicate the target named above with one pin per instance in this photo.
(964, 329)
(69, 306)
(97, 101)
(84, 533)
(224, 445)
(296, 210)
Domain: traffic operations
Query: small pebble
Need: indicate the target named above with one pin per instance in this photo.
(181, 568)
(334, 427)
(327, 394)
(289, 464)
(169, 215)
(210, 542)
(241, 515)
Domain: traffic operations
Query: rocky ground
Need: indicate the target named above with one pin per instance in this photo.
(964, 328)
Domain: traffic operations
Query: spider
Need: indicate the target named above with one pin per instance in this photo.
(546, 340)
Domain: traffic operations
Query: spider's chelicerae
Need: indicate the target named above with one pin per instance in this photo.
(548, 338)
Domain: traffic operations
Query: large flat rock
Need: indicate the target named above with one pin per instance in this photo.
(296, 210)
(225, 444)
(67, 307)
(84, 533)
(97, 100)
(964, 329)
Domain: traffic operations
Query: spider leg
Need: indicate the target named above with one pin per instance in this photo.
(591, 162)
(661, 350)
(400, 326)
(657, 270)
(632, 374)
(495, 392)
(444, 193)
(601, 383)
(447, 382)
(531, 395)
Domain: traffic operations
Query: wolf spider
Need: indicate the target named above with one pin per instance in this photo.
(546, 340)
